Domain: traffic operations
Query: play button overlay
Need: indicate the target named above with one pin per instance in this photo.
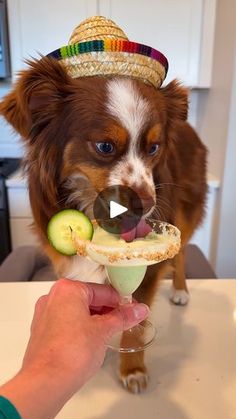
(118, 209)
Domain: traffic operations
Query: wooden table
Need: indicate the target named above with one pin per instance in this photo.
(192, 364)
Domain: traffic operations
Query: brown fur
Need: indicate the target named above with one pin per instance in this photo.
(60, 118)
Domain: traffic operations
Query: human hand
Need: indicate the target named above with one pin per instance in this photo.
(67, 338)
(67, 345)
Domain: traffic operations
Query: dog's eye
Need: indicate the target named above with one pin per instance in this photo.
(105, 147)
(153, 149)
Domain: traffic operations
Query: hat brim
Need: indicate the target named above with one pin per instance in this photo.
(111, 57)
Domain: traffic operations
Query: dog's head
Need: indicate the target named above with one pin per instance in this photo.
(85, 134)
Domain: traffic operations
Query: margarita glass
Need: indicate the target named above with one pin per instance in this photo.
(126, 264)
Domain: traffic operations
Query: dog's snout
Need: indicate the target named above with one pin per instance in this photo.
(145, 201)
(147, 204)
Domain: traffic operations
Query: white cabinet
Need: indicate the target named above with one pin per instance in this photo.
(42, 26)
(182, 30)
(205, 235)
(21, 218)
(21, 233)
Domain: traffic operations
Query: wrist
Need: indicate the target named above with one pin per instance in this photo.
(38, 393)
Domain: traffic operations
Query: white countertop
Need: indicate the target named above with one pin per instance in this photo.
(17, 180)
(192, 365)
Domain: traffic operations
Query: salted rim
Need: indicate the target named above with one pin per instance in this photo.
(126, 255)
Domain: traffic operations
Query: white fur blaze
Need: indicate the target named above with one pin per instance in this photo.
(127, 105)
(132, 110)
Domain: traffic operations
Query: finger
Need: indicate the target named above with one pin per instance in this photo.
(102, 295)
(38, 310)
(124, 317)
(100, 310)
(96, 295)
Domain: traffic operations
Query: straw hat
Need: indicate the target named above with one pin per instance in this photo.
(98, 47)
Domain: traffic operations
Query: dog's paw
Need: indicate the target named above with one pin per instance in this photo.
(135, 381)
(179, 297)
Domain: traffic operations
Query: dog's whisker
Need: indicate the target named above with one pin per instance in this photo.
(161, 213)
(163, 185)
(165, 201)
(83, 204)
(157, 213)
(86, 205)
(60, 201)
(81, 191)
(162, 206)
(161, 198)
(167, 183)
(79, 202)
(89, 188)
(165, 205)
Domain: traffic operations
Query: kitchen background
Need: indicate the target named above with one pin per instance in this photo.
(199, 39)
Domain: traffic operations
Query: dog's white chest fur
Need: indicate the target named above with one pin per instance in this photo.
(82, 269)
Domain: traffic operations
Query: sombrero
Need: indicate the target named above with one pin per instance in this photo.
(98, 47)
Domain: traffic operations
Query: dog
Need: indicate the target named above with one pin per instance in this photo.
(84, 134)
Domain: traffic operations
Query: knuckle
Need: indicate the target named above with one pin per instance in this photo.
(40, 301)
(88, 291)
(64, 284)
(74, 286)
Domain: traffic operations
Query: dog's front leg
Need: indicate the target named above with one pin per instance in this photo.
(179, 292)
(133, 372)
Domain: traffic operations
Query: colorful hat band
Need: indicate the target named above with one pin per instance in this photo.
(109, 45)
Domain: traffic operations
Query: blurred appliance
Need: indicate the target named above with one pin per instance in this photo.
(7, 167)
(4, 41)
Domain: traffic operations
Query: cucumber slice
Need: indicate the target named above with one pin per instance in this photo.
(60, 227)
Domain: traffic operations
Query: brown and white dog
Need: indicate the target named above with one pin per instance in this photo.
(85, 134)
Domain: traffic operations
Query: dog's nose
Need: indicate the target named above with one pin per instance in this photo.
(146, 201)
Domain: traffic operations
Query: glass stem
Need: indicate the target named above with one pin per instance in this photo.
(125, 299)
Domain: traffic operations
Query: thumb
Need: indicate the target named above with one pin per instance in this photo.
(124, 317)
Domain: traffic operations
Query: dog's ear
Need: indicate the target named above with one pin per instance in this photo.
(176, 100)
(35, 96)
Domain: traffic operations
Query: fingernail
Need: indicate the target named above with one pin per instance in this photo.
(141, 311)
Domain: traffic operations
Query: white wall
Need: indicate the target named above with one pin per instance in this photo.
(226, 249)
(213, 113)
(214, 104)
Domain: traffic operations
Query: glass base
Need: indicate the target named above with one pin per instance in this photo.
(135, 339)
